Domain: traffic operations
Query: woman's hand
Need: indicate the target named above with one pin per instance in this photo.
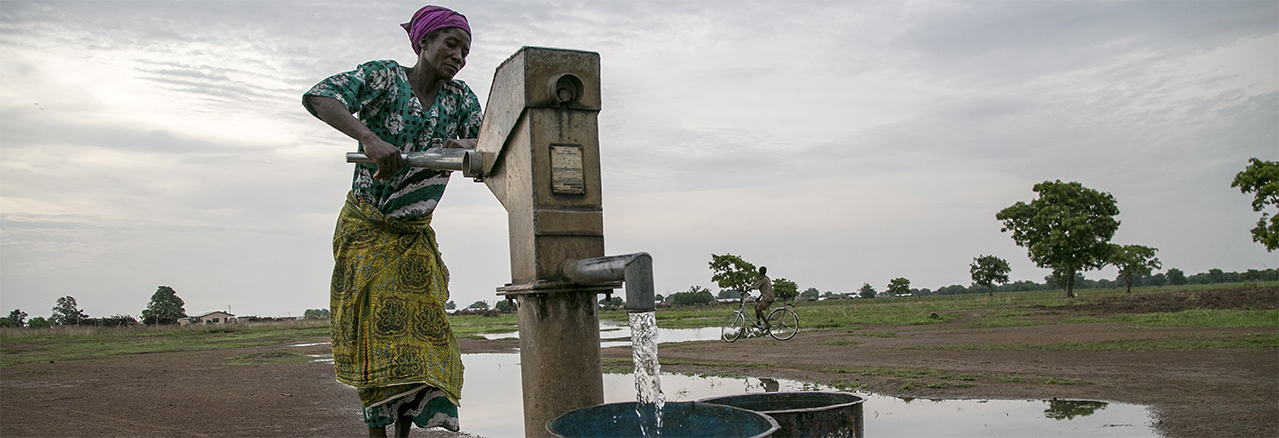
(331, 111)
(388, 159)
(460, 143)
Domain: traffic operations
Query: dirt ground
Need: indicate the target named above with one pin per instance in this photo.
(1197, 393)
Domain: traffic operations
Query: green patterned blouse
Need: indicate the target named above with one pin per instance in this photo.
(379, 92)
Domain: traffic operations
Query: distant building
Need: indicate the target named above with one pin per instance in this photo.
(216, 317)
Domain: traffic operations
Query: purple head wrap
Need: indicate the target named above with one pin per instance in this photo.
(430, 18)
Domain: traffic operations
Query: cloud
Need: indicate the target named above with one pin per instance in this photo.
(839, 143)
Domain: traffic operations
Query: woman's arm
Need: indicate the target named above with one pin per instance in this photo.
(337, 115)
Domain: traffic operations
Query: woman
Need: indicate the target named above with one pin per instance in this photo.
(391, 337)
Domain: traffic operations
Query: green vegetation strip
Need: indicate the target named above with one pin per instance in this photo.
(476, 326)
(1219, 318)
(269, 358)
(1249, 341)
(842, 342)
(1005, 309)
(23, 346)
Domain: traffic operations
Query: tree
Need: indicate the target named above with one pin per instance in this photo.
(1262, 179)
(505, 306)
(898, 286)
(311, 313)
(450, 305)
(988, 270)
(612, 302)
(1068, 228)
(810, 294)
(1176, 277)
(479, 305)
(695, 295)
(17, 318)
(785, 290)
(731, 272)
(867, 291)
(726, 294)
(1068, 409)
(1134, 260)
(38, 322)
(165, 307)
(65, 312)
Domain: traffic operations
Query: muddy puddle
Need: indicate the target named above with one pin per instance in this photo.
(491, 401)
(491, 406)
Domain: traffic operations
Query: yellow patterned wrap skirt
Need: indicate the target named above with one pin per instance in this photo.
(387, 306)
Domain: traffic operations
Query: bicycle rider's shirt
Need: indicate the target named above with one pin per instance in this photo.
(765, 287)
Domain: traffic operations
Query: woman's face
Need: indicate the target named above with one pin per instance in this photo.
(446, 53)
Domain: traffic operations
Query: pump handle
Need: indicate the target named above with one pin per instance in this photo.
(468, 161)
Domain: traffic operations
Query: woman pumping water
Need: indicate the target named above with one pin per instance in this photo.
(391, 336)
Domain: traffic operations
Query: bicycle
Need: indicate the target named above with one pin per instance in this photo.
(783, 323)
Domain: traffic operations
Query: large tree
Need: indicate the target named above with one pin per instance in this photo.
(165, 307)
(65, 312)
(731, 272)
(988, 270)
(1262, 179)
(785, 290)
(898, 286)
(1068, 228)
(1134, 260)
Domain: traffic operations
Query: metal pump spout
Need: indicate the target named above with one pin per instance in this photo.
(634, 270)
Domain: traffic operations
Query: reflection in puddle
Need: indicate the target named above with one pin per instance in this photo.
(1069, 409)
(491, 406)
(310, 345)
(321, 358)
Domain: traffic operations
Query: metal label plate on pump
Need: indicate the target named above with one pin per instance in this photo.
(567, 176)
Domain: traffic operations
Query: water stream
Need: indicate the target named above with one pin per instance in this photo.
(648, 372)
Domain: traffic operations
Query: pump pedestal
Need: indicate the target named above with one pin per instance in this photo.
(559, 352)
(540, 149)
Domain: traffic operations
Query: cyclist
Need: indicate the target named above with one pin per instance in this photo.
(766, 297)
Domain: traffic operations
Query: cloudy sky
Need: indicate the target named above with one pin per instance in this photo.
(838, 143)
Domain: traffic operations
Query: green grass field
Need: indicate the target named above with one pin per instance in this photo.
(1009, 309)
(21, 346)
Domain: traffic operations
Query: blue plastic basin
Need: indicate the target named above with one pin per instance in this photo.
(804, 414)
(679, 419)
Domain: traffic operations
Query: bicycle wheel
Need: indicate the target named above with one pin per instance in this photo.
(733, 327)
(784, 322)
